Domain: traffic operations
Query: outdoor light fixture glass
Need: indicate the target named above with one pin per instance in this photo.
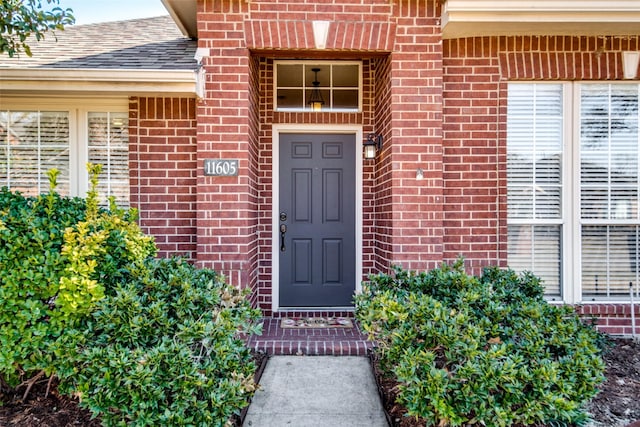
(315, 100)
(372, 145)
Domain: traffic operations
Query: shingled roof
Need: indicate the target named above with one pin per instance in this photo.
(137, 44)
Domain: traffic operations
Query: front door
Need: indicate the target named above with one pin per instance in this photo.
(316, 220)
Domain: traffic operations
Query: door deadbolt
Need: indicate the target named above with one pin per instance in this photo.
(283, 216)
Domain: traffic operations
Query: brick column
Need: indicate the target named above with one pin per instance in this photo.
(227, 128)
(410, 210)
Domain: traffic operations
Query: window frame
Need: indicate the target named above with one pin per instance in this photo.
(78, 110)
(304, 88)
(571, 288)
(576, 195)
(566, 243)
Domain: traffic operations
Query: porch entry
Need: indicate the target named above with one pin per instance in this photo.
(317, 219)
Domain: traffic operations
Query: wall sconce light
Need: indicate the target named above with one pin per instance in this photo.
(315, 99)
(372, 145)
(630, 64)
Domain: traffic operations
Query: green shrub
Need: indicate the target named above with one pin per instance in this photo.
(31, 240)
(57, 256)
(164, 348)
(481, 350)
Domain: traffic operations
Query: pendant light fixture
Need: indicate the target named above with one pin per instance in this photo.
(315, 99)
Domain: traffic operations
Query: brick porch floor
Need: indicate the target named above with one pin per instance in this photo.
(311, 342)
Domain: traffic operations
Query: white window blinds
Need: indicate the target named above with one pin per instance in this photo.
(534, 181)
(32, 143)
(109, 146)
(609, 188)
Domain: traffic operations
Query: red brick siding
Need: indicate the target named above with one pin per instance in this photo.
(227, 128)
(355, 36)
(440, 105)
(251, 275)
(402, 217)
(612, 318)
(162, 155)
(564, 58)
(379, 199)
(265, 229)
(413, 208)
(474, 194)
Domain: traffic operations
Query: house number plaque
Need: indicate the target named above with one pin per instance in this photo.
(221, 167)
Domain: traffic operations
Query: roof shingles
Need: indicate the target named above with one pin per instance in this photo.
(143, 44)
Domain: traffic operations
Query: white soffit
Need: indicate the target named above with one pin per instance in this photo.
(129, 82)
(468, 18)
(184, 13)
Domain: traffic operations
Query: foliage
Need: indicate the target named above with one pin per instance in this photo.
(57, 255)
(163, 348)
(31, 239)
(140, 341)
(98, 250)
(22, 19)
(483, 350)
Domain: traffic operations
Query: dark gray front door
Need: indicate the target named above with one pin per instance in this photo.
(317, 220)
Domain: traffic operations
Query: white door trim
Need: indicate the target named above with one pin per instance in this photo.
(275, 173)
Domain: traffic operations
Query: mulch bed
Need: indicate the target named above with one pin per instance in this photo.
(56, 410)
(617, 405)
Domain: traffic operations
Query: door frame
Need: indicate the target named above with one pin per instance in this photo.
(275, 183)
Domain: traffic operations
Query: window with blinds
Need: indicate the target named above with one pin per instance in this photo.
(534, 181)
(109, 146)
(609, 188)
(32, 143)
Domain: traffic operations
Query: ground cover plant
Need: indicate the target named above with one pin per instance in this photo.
(138, 341)
(482, 350)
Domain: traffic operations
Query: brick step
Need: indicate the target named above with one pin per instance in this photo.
(310, 342)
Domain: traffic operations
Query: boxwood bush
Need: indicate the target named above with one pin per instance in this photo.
(164, 348)
(485, 350)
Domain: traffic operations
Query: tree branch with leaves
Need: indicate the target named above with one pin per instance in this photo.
(23, 20)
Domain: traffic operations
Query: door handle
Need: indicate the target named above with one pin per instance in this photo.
(283, 231)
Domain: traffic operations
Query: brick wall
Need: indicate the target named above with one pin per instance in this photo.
(612, 318)
(473, 145)
(412, 209)
(227, 128)
(234, 218)
(162, 155)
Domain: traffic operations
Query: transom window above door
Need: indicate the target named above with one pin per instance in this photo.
(318, 86)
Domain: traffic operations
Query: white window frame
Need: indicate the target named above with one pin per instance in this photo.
(330, 87)
(571, 245)
(78, 109)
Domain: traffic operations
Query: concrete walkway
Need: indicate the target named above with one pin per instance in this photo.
(316, 391)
